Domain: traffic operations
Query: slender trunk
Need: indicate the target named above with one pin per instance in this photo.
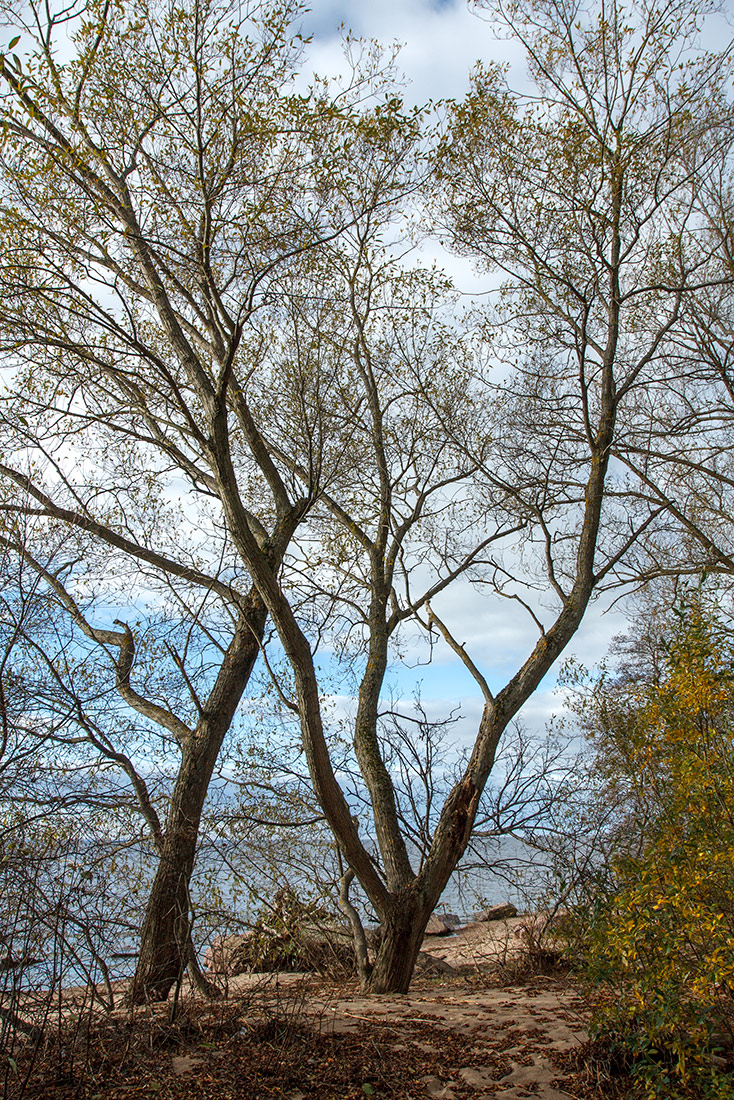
(398, 871)
(358, 934)
(165, 947)
(198, 978)
(165, 935)
(405, 917)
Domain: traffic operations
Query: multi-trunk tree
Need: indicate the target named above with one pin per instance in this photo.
(231, 396)
(584, 197)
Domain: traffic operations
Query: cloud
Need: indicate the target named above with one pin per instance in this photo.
(499, 637)
(441, 41)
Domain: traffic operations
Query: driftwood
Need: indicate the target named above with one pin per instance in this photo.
(32, 1031)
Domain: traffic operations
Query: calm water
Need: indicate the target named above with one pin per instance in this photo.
(505, 871)
(508, 871)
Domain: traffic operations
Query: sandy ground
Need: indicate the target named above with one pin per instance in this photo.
(520, 1024)
(483, 1039)
(513, 1029)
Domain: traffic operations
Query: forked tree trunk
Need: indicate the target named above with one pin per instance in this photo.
(402, 936)
(408, 911)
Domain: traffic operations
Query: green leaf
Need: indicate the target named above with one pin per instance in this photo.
(13, 1065)
(13, 42)
(368, 1089)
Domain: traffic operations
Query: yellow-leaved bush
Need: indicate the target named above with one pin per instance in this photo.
(660, 945)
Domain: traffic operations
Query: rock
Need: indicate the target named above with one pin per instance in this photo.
(228, 955)
(430, 964)
(497, 912)
(453, 920)
(437, 926)
(327, 948)
(288, 935)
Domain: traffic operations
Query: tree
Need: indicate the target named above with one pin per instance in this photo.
(583, 199)
(161, 192)
(343, 453)
(683, 460)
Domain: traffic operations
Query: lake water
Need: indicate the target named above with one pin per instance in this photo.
(499, 871)
(506, 870)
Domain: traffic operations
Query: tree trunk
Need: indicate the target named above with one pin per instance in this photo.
(163, 955)
(405, 918)
(164, 946)
(402, 936)
(165, 942)
(197, 976)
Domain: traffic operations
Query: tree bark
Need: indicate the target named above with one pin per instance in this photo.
(402, 935)
(165, 940)
(162, 957)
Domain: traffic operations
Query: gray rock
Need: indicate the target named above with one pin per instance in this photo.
(497, 912)
(312, 946)
(437, 926)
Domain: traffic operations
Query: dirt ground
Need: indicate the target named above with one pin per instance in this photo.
(509, 1033)
(466, 1035)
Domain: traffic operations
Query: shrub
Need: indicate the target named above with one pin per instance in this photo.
(660, 939)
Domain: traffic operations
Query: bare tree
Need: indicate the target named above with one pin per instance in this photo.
(584, 197)
(681, 459)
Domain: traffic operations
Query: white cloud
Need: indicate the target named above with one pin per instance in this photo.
(441, 41)
(498, 637)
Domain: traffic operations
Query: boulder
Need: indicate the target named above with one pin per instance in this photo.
(497, 912)
(325, 947)
(288, 934)
(228, 954)
(437, 926)
(452, 920)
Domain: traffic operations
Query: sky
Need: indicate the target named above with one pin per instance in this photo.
(441, 41)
